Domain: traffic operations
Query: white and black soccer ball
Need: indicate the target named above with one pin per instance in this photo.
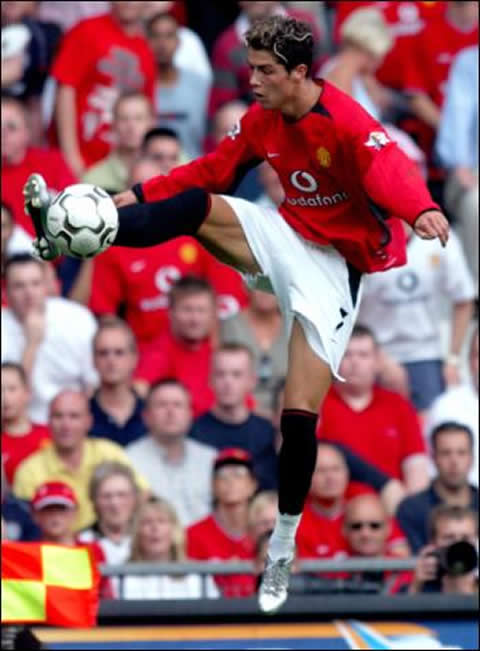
(82, 220)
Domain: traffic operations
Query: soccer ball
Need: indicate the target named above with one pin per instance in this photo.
(82, 220)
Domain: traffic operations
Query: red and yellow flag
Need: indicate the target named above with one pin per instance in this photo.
(49, 584)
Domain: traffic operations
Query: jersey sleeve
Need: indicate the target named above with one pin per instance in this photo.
(220, 171)
(390, 180)
(108, 290)
(69, 68)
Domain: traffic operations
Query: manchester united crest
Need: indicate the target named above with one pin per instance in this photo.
(323, 157)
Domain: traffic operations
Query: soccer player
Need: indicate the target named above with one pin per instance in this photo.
(342, 175)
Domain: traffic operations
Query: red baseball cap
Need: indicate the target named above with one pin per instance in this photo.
(54, 493)
(233, 456)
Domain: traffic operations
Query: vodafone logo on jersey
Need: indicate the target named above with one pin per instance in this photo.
(164, 279)
(306, 182)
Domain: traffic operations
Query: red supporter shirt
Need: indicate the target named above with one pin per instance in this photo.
(52, 166)
(17, 448)
(100, 68)
(168, 357)
(207, 541)
(333, 164)
(142, 279)
(385, 433)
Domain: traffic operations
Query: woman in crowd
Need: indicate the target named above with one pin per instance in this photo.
(158, 537)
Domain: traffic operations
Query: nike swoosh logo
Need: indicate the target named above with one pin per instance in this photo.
(269, 155)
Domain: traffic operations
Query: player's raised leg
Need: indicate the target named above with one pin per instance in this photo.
(308, 380)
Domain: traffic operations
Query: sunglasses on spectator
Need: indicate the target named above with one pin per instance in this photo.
(356, 526)
(117, 352)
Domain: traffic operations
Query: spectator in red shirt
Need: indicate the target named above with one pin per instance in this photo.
(141, 279)
(54, 508)
(20, 437)
(367, 528)
(19, 160)
(229, 56)
(184, 351)
(132, 117)
(436, 47)
(91, 72)
(320, 534)
(379, 425)
(223, 535)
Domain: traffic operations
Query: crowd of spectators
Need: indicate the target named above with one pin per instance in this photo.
(141, 390)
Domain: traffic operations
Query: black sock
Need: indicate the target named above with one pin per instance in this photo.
(147, 224)
(297, 459)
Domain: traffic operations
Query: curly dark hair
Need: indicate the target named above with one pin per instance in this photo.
(289, 40)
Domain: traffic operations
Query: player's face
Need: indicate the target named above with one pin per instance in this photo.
(70, 421)
(193, 316)
(55, 522)
(233, 484)
(359, 366)
(164, 153)
(155, 532)
(15, 396)
(168, 412)
(366, 527)
(232, 378)
(271, 84)
(163, 40)
(453, 458)
(15, 135)
(115, 360)
(330, 479)
(132, 120)
(115, 502)
(26, 288)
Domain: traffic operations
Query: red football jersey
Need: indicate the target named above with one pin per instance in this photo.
(52, 166)
(168, 357)
(17, 448)
(207, 541)
(100, 68)
(334, 164)
(385, 433)
(142, 278)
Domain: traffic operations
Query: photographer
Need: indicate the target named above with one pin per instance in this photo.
(444, 565)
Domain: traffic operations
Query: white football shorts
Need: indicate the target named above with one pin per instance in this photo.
(311, 282)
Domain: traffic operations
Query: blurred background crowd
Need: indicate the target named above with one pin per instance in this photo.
(142, 390)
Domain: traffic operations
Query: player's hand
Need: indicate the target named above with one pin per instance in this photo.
(432, 224)
(124, 198)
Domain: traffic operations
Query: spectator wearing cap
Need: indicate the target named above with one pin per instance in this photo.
(459, 404)
(378, 425)
(452, 451)
(184, 351)
(115, 497)
(159, 537)
(20, 436)
(367, 528)
(132, 117)
(54, 507)
(181, 94)
(20, 159)
(71, 458)
(177, 468)
(88, 85)
(115, 406)
(224, 534)
(50, 336)
(320, 534)
(230, 423)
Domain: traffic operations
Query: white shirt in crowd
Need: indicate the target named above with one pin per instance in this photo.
(20, 242)
(187, 485)
(116, 553)
(64, 359)
(459, 405)
(404, 306)
(168, 587)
